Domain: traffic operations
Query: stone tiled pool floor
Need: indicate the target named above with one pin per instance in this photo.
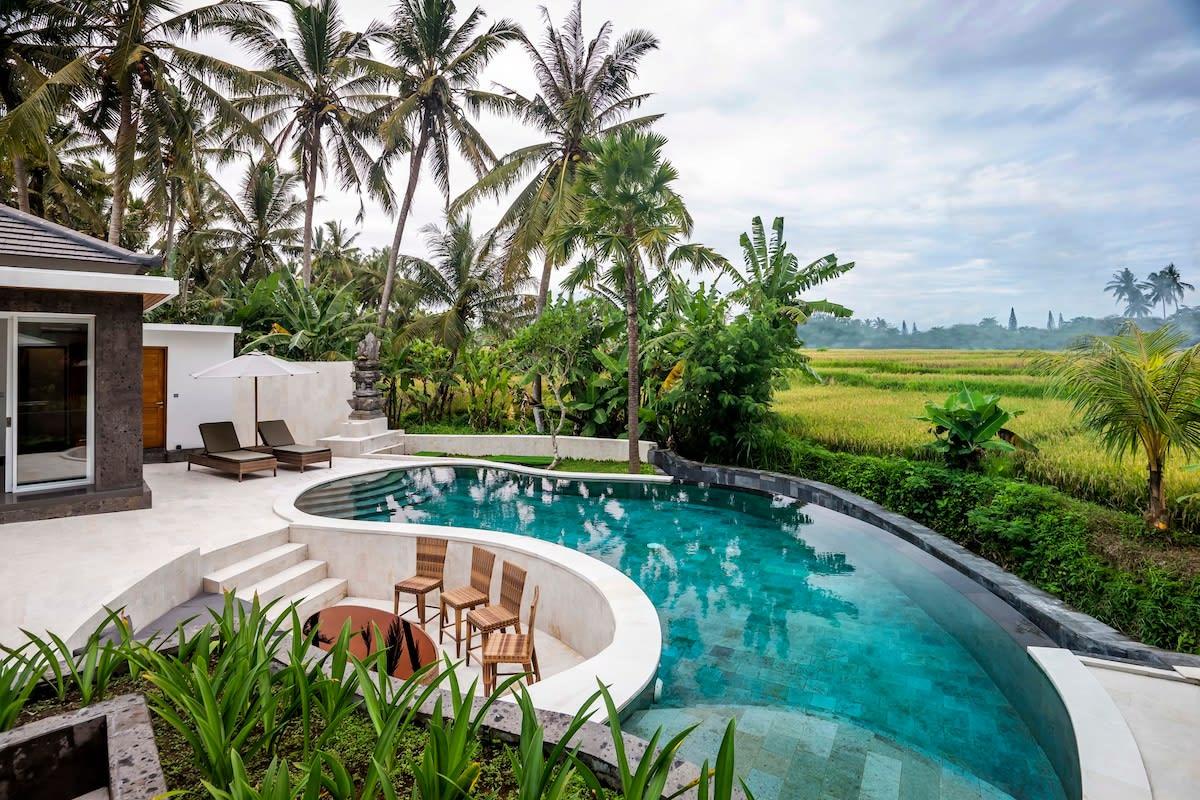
(791, 754)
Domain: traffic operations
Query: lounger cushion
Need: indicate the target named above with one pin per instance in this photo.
(219, 437)
(240, 456)
(275, 433)
(300, 449)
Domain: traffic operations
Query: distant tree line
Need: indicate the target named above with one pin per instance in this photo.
(1142, 300)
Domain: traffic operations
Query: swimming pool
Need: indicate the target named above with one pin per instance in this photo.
(853, 667)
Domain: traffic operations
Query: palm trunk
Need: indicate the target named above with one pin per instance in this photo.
(309, 201)
(539, 417)
(631, 335)
(169, 238)
(21, 177)
(1156, 514)
(414, 171)
(121, 175)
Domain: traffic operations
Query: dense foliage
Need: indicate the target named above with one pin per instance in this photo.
(1095, 559)
(243, 709)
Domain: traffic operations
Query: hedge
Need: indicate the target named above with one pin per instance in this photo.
(1038, 533)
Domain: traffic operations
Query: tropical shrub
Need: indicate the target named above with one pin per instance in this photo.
(968, 424)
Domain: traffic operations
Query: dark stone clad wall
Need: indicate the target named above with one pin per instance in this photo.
(117, 429)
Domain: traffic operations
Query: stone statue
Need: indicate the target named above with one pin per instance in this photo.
(367, 402)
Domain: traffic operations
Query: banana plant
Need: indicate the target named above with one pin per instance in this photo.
(970, 423)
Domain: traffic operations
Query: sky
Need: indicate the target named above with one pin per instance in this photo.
(968, 156)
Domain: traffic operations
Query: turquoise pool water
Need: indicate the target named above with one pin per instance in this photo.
(826, 637)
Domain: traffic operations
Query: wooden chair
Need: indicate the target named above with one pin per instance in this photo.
(490, 618)
(431, 568)
(277, 436)
(512, 648)
(468, 597)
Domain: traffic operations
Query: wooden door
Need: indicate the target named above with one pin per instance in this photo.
(154, 397)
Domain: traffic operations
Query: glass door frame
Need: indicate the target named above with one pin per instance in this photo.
(12, 319)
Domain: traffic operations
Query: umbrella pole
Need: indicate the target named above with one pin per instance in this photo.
(255, 409)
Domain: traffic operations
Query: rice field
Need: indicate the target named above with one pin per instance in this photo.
(870, 398)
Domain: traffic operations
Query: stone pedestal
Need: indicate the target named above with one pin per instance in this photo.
(367, 430)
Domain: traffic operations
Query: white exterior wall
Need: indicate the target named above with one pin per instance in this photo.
(190, 401)
(314, 406)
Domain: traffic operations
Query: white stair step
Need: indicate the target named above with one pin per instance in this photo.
(229, 554)
(312, 598)
(285, 582)
(255, 568)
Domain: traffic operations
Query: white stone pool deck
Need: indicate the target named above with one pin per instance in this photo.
(54, 574)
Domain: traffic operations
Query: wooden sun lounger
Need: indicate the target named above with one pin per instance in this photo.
(223, 451)
(275, 435)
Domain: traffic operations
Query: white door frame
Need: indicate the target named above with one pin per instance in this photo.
(12, 320)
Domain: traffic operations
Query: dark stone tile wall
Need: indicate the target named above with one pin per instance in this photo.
(118, 374)
(1064, 625)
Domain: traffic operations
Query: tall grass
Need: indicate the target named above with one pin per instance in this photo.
(871, 397)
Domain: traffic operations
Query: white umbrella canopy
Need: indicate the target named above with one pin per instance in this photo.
(254, 365)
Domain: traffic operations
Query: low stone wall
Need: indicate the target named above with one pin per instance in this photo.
(1067, 627)
(518, 445)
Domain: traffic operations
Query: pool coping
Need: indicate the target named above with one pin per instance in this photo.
(1066, 627)
(628, 664)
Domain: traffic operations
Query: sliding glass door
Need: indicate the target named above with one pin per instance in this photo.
(49, 442)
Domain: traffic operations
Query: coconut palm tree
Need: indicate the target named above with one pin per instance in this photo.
(131, 55)
(335, 256)
(437, 67)
(774, 275)
(1123, 285)
(584, 90)
(1140, 393)
(262, 231)
(37, 38)
(325, 85)
(1173, 285)
(464, 284)
(630, 220)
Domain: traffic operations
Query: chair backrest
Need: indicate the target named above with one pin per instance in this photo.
(431, 557)
(512, 587)
(275, 433)
(219, 437)
(537, 593)
(482, 563)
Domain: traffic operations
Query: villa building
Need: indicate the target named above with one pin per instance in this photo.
(71, 369)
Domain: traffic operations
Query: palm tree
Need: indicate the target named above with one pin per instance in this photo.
(1173, 285)
(630, 217)
(584, 90)
(1137, 305)
(774, 275)
(464, 283)
(262, 230)
(37, 38)
(1123, 285)
(131, 57)
(1139, 392)
(335, 256)
(437, 66)
(325, 85)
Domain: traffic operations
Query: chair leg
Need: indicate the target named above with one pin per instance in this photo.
(441, 620)
(421, 608)
(537, 672)
(396, 603)
(457, 632)
(470, 630)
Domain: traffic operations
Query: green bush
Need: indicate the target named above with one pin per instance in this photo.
(1038, 533)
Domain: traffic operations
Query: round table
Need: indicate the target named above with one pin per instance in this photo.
(371, 629)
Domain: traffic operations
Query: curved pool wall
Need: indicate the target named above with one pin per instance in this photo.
(764, 601)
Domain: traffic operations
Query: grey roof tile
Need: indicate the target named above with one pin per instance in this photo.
(30, 241)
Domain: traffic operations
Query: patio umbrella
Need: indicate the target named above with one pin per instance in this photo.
(254, 365)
